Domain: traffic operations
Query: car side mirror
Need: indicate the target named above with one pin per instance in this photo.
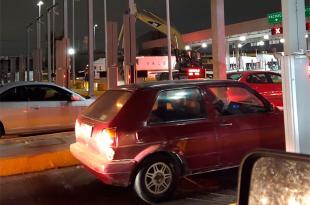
(274, 177)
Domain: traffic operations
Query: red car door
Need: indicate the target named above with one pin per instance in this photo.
(179, 121)
(245, 123)
(267, 84)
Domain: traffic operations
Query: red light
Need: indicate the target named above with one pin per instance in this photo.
(277, 30)
(308, 26)
(194, 70)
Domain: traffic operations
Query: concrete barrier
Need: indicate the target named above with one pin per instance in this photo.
(36, 153)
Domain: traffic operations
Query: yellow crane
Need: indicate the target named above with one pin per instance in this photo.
(184, 59)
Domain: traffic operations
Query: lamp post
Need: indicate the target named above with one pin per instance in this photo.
(73, 39)
(91, 47)
(95, 26)
(39, 4)
(28, 50)
(169, 38)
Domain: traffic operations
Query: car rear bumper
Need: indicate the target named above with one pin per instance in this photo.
(115, 172)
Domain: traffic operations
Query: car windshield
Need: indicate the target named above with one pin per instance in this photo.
(108, 105)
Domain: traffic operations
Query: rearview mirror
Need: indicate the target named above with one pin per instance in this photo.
(268, 177)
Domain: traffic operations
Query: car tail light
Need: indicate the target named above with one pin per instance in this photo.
(194, 72)
(107, 138)
(82, 130)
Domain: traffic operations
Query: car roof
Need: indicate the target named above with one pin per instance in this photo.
(166, 84)
(252, 72)
(24, 83)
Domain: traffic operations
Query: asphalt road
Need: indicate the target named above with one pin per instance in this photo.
(75, 186)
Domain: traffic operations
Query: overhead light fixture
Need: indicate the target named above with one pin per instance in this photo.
(306, 36)
(282, 40)
(187, 47)
(239, 45)
(260, 43)
(204, 45)
(266, 37)
(71, 51)
(242, 38)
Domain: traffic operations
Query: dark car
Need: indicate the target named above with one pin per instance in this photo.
(150, 135)
(267, 83)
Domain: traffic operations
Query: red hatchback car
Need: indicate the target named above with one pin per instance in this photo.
(149, 135)
(268, 84)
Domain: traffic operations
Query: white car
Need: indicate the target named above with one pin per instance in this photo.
(37, 107)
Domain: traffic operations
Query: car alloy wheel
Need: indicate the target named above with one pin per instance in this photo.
(158, 178)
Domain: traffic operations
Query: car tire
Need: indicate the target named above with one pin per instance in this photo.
(157, 179)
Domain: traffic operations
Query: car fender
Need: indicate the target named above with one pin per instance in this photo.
(162, 148)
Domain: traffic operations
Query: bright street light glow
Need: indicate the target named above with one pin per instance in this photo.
(306, 36)
(204, 45)
(239, 45)
(96, 25)
(266, 37)
(40, 3)
(260, 43)
(187, 47)
(282, 40)
(242, 38)
(71, 51)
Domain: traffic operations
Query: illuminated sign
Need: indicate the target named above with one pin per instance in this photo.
(276, 30)
(276, 18)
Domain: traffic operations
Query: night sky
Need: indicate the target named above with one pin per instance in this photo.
(186, 16)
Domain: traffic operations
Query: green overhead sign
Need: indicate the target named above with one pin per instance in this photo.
(276, 18)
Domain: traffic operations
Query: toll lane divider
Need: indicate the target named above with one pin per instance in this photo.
(37, 153)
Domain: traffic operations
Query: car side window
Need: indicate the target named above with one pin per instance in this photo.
(16, 94)
(235, 76)
(260, 78)
(232, 100)
(46, 93)
(178, 105)
(276, 79)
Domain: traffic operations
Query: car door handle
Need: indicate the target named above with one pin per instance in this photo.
(225, 124)
(35, 107)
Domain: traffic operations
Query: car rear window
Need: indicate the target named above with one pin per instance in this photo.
(108, 105)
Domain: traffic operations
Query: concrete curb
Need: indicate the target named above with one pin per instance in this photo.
(34, 163)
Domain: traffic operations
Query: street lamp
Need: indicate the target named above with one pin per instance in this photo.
(95, 26)
(39, 4)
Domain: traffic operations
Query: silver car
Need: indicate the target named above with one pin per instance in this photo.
(35, 107)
